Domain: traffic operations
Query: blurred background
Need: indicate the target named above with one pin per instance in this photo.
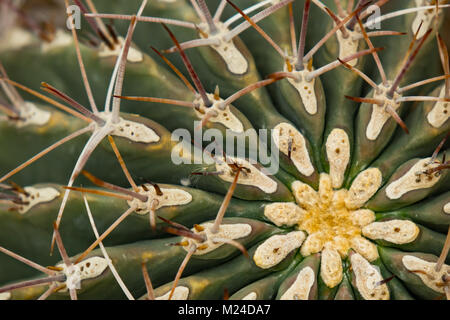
(43, 16)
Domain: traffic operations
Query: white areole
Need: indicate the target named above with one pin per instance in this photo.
(379, 115)
(87, 269)
(250, 296)
(180, 293)
(447, 208)
(440, 112)
(363, 187)
(427, 272)
(5, 296)
(169, 197)
(134, 131)
(338, 154)
(349, 45)
(305, 87)
(413, 179)
(61, 39)
(218, 113)
(331, 269)
(285, 134)
(233, 58)
(36, 196)
(368, 278)
(301, 287)
(30, 114)
(272, 251)
(395, 231)
(214, 240)
(250, 177)
(423, 17)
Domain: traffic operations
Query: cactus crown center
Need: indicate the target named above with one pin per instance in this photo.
(329, 220)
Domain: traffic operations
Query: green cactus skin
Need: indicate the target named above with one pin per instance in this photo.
(367, 219)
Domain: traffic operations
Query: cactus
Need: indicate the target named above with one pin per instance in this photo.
(356, 121)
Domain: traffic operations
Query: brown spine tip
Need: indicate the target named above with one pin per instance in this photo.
(190, 68)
